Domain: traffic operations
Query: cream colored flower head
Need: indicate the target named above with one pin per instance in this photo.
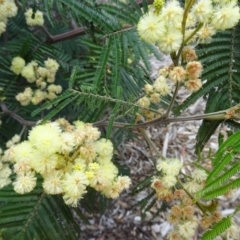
(45, 138)
(51, 65)
(193, 85)
(226, 16)
(150, 28)
(144, 102)
(199, 175)
(177, 74)
(170, 41)
(29, 72)
(171, 166)
(24, 183)
(34, 18)
(203, 10)
(161, 86)
(104, 148)
(53, 182)
(18, 64)
(172, 13)
(8, 9)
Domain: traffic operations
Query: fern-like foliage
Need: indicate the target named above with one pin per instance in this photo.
(223, 176)
(217, 229)
(35, 215)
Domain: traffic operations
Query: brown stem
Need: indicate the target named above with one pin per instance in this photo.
(24, 122)
(231, 113)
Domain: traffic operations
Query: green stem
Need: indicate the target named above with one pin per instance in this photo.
(172, 100)
(193, 33)
(191, 196)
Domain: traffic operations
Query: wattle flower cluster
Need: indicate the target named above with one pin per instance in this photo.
(43, 77)
(153, 94)
(188, 74)
(69, 157)
(8, 9)
(164, 26)
(185, 215)
(182, 213)
(163, 185)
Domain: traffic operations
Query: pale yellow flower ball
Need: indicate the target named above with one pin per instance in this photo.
(170, 41)
(144, 102)
(172, 13)
(45, 138)
(148, 88)
(104, 147)
(34, 19)
(155, 98)
(16, 138)
(193, 85)
(113, 190)
(150, 28)
(23, 151)
(177, 74)
(92, 133)
(44, 163)
(42, 71)
(161, 86)
(54, 88)
(29, 73)
(199, 175)
(226, 16)
(203, 10)
(22, 166)
(9, 9)
(72, 199)
(53, 182)
(124, 182)
(205, 33)
(67, 143)
(104, 176)
(25, 183)
(187, 229)
(171, 166)
(51, 65)
(18, 64)
(75, 183)
(193, 186)
(169, 181)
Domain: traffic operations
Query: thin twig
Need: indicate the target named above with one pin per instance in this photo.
(24, 122)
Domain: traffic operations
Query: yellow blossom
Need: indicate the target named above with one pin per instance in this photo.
(226, 16)
(75, 183)
(34, 18)
(170, 41)
(45, 138)
(18, 64)
(52, 182)
(150, 28)
(24, 183)
(144, 102)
